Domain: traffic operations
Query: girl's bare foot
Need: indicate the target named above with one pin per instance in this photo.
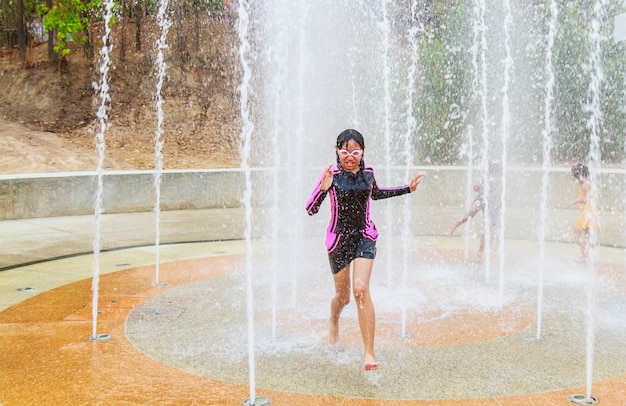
(370, 364)
(333, 334)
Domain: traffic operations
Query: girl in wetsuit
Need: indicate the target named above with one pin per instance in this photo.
(351, 235)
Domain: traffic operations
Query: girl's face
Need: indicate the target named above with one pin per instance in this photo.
(350, 155)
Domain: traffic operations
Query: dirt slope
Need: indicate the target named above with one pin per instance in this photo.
(48, 118)
(23, 150)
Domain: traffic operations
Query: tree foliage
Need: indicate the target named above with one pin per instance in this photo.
(69, 19)
(72, 20)
(445, 102)
(445, 83)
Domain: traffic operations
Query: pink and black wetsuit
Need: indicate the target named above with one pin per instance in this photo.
(351, 232)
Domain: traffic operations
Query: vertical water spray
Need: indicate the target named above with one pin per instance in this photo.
(484, 130)
(355, 117)
(246, 146)
(387, 102)
(469, 134)
(278, 61)
(102, 115)
(594, 108)
(411, 127)
(619, 35)
(286, 53)
(164, 24)
(300, 134)
(506, 123)
(354, 111)
(546, 136)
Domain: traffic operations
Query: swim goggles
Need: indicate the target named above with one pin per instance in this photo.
(355, 153)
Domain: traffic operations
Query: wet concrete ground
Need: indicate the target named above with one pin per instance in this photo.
(445, 335)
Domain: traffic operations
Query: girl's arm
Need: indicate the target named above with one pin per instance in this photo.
(320, 191)
(384, 193)
(416, 181)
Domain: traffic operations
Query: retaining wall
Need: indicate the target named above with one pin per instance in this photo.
(440, 199)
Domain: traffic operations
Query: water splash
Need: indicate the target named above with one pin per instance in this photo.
(164, 24)
(102, 115)
(546, 162)
(246, 135)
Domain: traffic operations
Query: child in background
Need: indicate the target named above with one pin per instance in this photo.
(481, 202)
(588, 217)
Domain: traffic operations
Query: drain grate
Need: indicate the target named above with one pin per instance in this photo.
(100, 337)
(259, 401)
(582, 400)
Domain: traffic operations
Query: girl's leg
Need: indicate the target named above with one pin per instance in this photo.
(365, 307)
(481, 250)
(581, 240)
(338, 302)
(586, 243)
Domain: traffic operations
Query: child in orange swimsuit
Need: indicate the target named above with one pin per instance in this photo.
(588, 218)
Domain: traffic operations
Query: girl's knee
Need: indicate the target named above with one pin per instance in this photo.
(343, 299)
(360, 292)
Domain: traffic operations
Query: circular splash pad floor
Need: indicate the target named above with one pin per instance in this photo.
(444, 335)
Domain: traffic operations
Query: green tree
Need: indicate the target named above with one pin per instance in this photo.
(70, 20)
(572, 75)
(445, 83)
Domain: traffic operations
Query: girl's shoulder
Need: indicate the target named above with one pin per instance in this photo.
(368, 168)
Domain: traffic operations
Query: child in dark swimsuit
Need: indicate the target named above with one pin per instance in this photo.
(351, 235)
(479, 204)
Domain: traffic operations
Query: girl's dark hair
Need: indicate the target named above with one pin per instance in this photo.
(579, 170)
(342, 141)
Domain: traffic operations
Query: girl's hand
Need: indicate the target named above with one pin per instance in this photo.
(327, 179)
(416, 181)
